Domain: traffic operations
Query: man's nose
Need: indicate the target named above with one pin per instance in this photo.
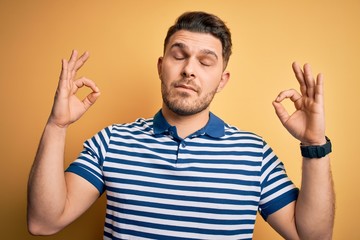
(189, 69)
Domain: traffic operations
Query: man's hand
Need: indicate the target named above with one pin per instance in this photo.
(67, 106)
(307, 123)
(56, 199)
(312, 216)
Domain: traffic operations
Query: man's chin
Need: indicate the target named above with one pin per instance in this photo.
(185, 111)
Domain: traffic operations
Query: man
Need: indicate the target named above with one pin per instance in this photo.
(184, 174)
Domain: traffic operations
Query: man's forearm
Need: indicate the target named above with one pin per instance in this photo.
(315, 206)
(46, 187)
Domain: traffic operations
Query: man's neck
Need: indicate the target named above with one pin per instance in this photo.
(186, 125)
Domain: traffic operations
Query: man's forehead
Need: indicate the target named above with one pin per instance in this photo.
(189, 40)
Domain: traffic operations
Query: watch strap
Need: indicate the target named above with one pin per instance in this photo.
(316, 151)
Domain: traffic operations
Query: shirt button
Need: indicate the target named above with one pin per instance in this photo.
(183, 144)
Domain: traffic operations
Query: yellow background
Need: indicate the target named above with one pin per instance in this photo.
(125, 39)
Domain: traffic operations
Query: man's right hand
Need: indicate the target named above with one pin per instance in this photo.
(56, 199)
(67, 107)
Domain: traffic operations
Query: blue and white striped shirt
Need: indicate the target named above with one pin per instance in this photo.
(209, 185)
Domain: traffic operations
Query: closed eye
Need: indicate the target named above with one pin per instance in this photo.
(178, 51)
(207, 64)
(179, 57)
(207, 61)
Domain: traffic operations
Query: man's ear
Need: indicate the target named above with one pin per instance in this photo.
(225, 77)
(159, 66)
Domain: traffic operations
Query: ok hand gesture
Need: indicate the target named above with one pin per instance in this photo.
(67, 107)
(307, 123)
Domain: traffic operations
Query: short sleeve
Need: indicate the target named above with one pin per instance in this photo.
(89, 164)
(277, 190)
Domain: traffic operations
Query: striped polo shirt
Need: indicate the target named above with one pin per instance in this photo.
(209, 185)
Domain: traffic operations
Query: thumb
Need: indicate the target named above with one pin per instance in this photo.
(90, 99)
(280, 111)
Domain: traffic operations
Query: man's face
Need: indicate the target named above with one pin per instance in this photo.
(191, 72)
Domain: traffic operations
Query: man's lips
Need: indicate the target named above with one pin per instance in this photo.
(188, 87)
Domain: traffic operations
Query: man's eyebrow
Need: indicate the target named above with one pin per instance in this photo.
(179, 45)
(209, 52)
(183, 46)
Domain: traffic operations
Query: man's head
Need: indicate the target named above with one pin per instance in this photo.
(203, 22)
(192, 69)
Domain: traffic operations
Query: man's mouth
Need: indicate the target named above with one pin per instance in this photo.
(185, 86)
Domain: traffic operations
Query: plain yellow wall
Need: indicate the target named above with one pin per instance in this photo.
(125, 39)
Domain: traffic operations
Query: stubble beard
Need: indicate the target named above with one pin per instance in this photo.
(182, 104)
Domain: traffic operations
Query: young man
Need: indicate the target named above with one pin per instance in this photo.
(184, 174)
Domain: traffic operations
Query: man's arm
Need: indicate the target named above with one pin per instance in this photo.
(312, 215)
(55, 199)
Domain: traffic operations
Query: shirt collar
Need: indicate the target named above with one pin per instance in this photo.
(214, 128)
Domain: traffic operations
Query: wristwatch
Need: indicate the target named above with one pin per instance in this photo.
(316, 151)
